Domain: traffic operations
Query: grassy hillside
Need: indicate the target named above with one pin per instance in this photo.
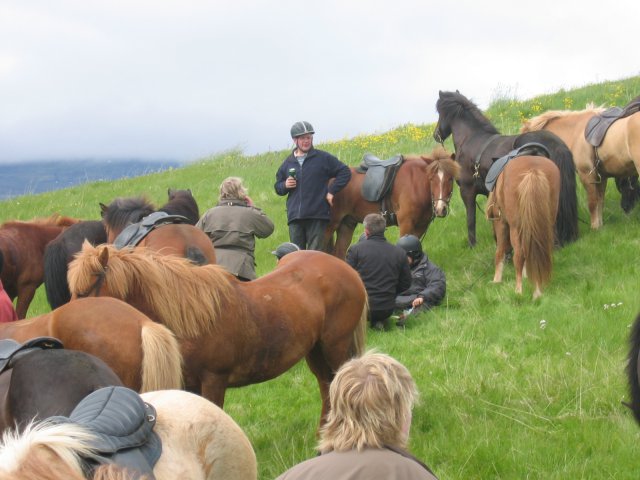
(510, 388)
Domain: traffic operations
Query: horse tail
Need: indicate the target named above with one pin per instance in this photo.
(632, 368)
(196, 256)
(360, 332)
(566, 223)
(536, 225)
(55, 274)
(161, 359)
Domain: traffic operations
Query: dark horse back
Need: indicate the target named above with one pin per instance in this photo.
(632, 369)
(45, 383)
(60, 252)
(567, 219)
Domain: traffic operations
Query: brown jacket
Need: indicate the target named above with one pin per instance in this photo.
(370, 464)
(232, 226)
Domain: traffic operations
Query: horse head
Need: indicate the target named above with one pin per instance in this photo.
(443, 170)
(122, 212)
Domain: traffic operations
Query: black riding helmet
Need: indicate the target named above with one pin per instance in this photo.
(411, 244)
(301, 128)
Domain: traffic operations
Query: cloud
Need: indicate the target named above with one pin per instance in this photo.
(183, 79)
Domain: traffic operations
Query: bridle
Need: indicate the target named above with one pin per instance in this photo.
(446, 200)
(97, 285)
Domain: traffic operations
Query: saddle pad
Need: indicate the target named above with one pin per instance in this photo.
(133, 234)
(123, 425)
(10, 350)
(498, 165)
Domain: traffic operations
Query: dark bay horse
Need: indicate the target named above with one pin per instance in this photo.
(182, 239)
(144, 354)
(421, 191)
(199, 440)
(22, 245)
(59, 253)
(44, 383)
(478, 143)
(633, 368)
(235, 333)
(523, 207)
(618, 156)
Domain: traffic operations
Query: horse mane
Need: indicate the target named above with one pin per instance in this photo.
(186, 298)
(440, 160)
(181, 202)
(540, 121)
(27, 454)
(126, 210)
(451, 105)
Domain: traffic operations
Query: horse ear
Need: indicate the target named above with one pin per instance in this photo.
(103, 209)
(103, 256)
(440, 93)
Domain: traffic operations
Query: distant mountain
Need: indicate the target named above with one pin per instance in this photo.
(29, 178)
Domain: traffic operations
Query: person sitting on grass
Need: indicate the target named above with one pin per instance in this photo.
(428, 281)
(368, 425)
(383, 268)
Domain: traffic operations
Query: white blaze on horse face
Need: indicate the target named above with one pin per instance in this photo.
(440, 204)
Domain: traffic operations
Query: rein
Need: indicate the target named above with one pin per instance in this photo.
(97, 285)
(476, 163)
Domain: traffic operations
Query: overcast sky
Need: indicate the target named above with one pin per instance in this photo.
(182, 79)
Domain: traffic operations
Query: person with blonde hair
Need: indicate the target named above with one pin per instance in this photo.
(233, 225)
(367, 429)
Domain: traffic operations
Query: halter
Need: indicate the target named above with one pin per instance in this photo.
(97, 285)
(441, 198)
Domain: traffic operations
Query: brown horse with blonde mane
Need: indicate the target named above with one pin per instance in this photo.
(144, 354)
(235, 333)
(618, 156)
(523, 207)
(22, 245)
(421, 191)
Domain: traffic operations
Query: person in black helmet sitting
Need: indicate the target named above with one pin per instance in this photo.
(285, 249)
(304, 177)
(428, 282)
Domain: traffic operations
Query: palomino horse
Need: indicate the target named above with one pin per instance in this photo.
(180, 239)
(523, 206)
(421, 191)
(235, 333)
(478, 144)
(618, 156)
(144, 354)
(199, 441)
(22, 245)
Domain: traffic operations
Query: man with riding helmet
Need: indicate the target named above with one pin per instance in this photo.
(304, 177)
(428, 282)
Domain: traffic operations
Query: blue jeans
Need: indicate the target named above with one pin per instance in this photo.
(308, 234)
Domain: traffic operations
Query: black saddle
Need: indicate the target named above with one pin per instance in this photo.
(10, 350)
(133, 234)
(379, 176)
(532, 148)
(597, 126)
(123, 425)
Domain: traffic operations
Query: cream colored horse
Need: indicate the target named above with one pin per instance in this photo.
(618, 156)
(199, 441)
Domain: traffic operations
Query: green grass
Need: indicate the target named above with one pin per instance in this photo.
(501, 397)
